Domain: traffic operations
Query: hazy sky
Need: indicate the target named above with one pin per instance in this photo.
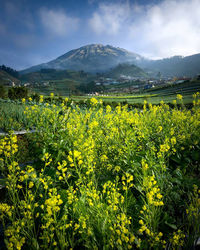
(36, 31)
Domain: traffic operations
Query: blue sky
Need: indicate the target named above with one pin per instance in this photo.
(35, 31)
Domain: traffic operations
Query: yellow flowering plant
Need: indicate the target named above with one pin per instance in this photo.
(103, 177)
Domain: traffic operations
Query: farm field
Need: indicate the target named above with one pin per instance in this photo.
(12, 116)
(137, 99)
(102, 177)
(12, 112)
(155, 95)
(60, 87)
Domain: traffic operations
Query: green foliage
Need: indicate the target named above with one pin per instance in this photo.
(3, 91)
(126, 69)
(52, 74)
(91, 87)
(35, 97)
(12, 116)
(17, 93)
(10, 71)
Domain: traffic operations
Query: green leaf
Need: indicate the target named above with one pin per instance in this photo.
(3, 182)
(195, 155)
(171, 225)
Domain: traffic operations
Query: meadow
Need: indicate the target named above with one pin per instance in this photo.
(103, 177)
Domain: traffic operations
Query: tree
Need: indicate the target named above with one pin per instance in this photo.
(91, 87)
(10, 71)
(17, 93)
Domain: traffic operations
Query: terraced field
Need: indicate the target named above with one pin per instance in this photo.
(155, 95)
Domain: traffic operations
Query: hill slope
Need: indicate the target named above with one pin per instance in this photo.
(90, 58)
(52, 74)
(174, 66)
(7, 79)
(126, 69)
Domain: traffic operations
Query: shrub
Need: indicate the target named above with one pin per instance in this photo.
(17, 93)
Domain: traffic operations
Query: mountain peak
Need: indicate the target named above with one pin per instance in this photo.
(90, 58)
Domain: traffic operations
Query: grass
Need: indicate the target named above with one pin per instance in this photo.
(12, 116)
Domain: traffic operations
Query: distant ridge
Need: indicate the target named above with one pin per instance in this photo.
(179, 66)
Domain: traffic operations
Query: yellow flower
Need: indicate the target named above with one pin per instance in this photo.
(41, 98)
(174, 102)
(141, 222)
(31, 184)
(93, 101)
(179, 97)
(119, 242)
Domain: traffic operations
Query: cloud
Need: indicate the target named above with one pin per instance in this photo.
(109, 18)
(57, 22)
(170, 27)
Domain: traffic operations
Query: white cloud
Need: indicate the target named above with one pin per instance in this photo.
(170, 27)
(109, 18)
(57, 22)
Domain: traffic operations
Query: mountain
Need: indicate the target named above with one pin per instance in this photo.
(173, 66)
(90, 58)
(126, 69)
(7, 79)
(95, 58)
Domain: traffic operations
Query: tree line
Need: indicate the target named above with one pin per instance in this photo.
(10, 71)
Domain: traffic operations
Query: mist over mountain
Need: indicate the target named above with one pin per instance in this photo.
(95, 58)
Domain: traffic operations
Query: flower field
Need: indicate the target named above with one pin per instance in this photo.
(104, 178)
